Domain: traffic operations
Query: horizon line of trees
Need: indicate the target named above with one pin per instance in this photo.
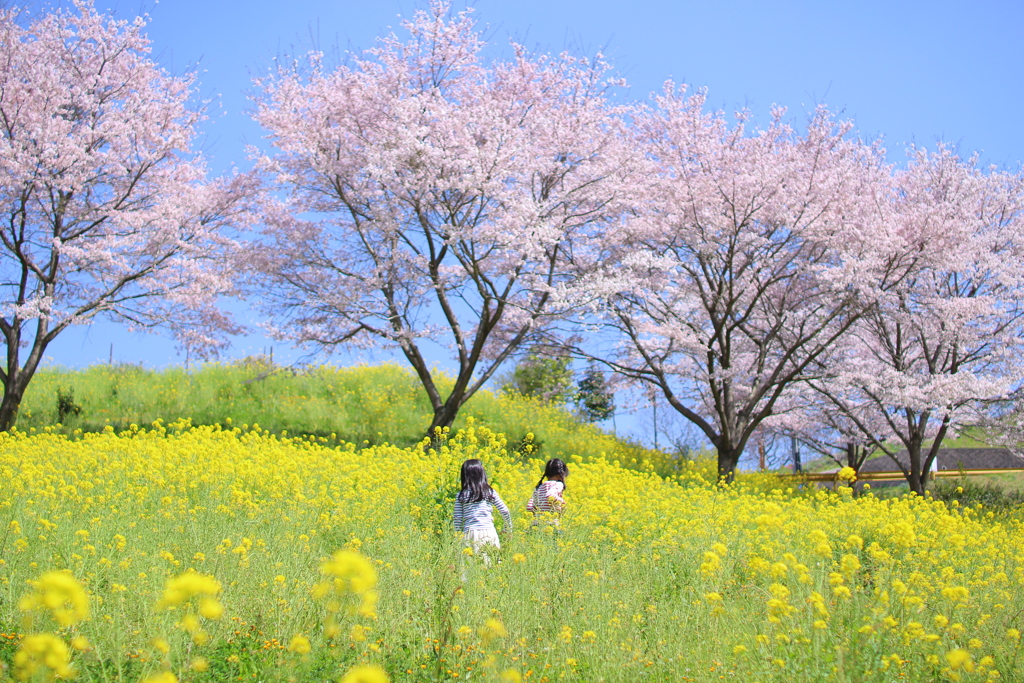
(778, 278)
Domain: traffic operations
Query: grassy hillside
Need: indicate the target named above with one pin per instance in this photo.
(363, 405)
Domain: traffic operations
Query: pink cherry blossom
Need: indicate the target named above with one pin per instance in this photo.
(748, 254)
(426, 196)
(105, 209)
(948, 337)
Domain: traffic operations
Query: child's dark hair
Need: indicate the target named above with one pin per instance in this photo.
(554, 469)
(474, 482)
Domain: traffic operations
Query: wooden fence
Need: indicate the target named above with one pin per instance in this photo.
(897, 476)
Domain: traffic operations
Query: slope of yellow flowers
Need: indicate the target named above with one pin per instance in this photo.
(204, 554)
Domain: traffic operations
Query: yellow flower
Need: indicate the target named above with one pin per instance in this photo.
(299, 644)
(368, 606)
(199, 664)
(58, 594)
(162, 677)
(956, 593)
(711, 565)
(42, 653)
(849, 564)
(366, 674)
(183, 587)
(491, 631)
(190, 624)
(519, 558)
(511, 676)
(348, 573)
(211, 608)
(819, 540)
(960, 659)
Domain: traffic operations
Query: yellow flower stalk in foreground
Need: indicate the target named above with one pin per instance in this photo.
(511, 676)
(348, 573)
(58, 594)
(299, 644)
(42, 654)
(184, 587)
(161, 677)
(960, 659)
(491, 631)
(180, 591)
(366, 674)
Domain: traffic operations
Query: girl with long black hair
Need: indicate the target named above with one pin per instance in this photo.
(473, 517)
(549, 494)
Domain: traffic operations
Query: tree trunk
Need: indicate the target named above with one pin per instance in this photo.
(728, 458)
(14, 391)
(17, 376)
(915, 476)
(916, 482)
(444, 416)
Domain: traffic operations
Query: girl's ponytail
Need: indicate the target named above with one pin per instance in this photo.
(554, 469)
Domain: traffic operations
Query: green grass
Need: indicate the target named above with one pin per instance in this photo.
(363, 405)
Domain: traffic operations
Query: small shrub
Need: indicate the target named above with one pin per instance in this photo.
(969, 493)
(66, 406)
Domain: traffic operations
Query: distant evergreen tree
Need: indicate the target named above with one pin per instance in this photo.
(594, 396)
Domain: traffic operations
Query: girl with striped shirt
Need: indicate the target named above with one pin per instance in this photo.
(473, 516)
(548, 494)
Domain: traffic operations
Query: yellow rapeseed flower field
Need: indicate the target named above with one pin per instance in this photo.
(204, 554)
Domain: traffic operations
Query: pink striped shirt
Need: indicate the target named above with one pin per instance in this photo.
(547, 497)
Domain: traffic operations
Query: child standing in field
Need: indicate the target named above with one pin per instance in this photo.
(473, 517)
(549, 494)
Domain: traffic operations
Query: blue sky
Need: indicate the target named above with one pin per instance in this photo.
(905, 71)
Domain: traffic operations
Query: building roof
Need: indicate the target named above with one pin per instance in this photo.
(953, 459)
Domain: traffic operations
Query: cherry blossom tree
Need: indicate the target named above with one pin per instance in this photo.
(749, 254)
(950, 336)
(811, 416)
(104, 208)
(1001, 423)
(431, 198)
